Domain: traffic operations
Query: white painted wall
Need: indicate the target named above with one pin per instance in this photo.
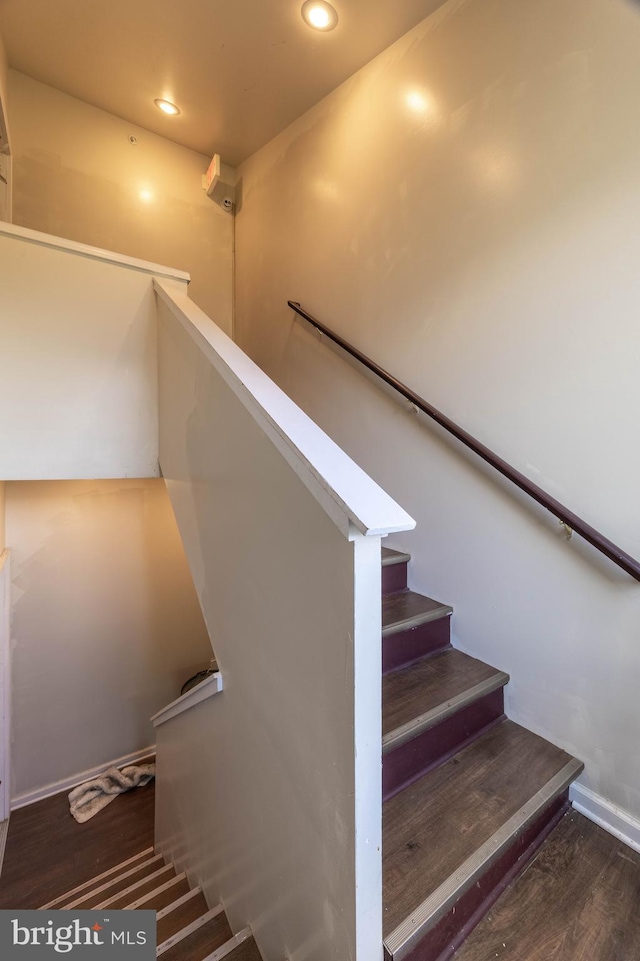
(465, 210)
(78, 176)
(78, 369)
(269, 793)
(106, 624)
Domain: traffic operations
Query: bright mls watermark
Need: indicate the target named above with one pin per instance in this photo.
(78, 935)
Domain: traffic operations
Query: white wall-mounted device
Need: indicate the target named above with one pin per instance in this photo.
(218, 183)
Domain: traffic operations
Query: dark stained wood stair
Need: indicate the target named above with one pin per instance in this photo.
(187, 928)
(469, 796)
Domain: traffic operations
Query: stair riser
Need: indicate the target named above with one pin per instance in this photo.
(443, 940)
(394, 578)
(405, 647)
(412, 760)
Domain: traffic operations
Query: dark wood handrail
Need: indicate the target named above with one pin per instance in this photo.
(567, 517)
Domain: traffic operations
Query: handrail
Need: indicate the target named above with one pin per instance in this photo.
(567, 517)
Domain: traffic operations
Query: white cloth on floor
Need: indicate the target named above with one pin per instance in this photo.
(89, 798)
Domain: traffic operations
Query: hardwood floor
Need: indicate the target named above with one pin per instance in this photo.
(48, 853)
(578, 901)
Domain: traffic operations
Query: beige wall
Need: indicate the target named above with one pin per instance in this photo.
(106, 626)
(465, 210)
(76, 175)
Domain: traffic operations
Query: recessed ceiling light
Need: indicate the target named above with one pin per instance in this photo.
(167, 107)
(319, 14)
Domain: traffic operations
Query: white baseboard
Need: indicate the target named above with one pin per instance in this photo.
(605, 814)
(30, 797)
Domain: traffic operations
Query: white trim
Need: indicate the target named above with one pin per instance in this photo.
(94, 253)
(5, 682)
(201, 692)
(613, 819)
(48, 790)
(344, 490)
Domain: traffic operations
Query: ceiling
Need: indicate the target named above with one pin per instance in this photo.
(240, 70)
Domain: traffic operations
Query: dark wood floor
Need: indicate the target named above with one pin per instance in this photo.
(578, 901)
(48, 853)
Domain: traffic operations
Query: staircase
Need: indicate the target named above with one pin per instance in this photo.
(187, 929)
(469, 796)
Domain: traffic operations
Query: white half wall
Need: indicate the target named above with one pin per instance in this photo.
(269, 793)
(106, 624)
(78, 367)
(77, 175)
(464, 210)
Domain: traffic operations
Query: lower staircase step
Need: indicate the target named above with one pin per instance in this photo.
(124, 867)
(160, 897)
(209, 918)
(176, 917)
(241, 947)
(452, 837)
(433, 708)
(187, 930)
(198, 940)
(138, 889)
(145, 878)
(577, 900)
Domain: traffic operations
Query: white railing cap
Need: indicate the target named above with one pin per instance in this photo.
(344, 490)
(94, 253)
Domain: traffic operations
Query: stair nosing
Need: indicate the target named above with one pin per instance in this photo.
(400, 557)
(188, 930)
(423, 722)
(396, 627)
(111, 882)
(133, 887)
(409, 932)
(154, 894)
(112, 872)
(230, 945)
(163, 912)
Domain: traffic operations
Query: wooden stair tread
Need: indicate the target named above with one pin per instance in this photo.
(180, 917)
(577, 899)
(111, 874)
(406, 609)
(247, 951)
(162, 896)
(391, 557)
(202, 942)
(105, 890)
(127, 895)
(433, 826)
(429, 684)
